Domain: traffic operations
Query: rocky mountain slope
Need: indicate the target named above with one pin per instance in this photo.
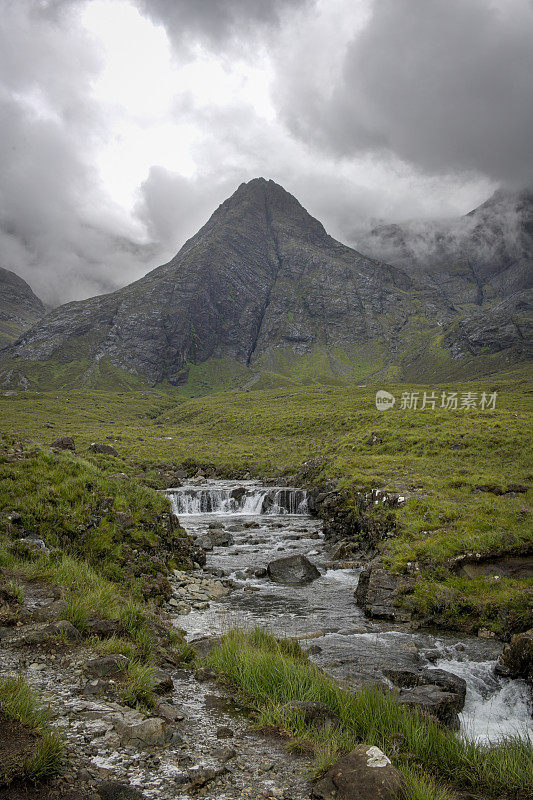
(19, 307)
(481, 264)
(262, 293)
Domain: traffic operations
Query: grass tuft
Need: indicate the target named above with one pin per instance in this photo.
(138, 691)
(431, 756)
(18, 702)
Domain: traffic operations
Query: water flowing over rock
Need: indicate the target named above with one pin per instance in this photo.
(351, 648)
(231, 499)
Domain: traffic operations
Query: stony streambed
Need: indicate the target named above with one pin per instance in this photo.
(324, 613)
(202, 748)
(198, 743)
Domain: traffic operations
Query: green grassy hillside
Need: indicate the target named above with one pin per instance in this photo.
(457, 468)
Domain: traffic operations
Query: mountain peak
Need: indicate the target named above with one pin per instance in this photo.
(262, 289)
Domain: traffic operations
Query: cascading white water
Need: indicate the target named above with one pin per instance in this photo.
(494, 707)
(237, 498)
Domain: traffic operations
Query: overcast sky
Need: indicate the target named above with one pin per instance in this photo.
(124, 123)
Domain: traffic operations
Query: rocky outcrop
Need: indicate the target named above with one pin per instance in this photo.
(20, 308)
(516, 661)
(294, 570)
(434, 691)
(365, 773)
(354, 522)
(377, 594)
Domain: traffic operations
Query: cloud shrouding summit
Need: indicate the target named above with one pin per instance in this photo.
(126, 122)
(443, 84)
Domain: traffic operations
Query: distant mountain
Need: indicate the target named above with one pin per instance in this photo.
(481, 264)
(263, 294)
(19, 307)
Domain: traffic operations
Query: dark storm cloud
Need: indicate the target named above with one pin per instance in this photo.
(56, 228)
(215, 21)
(443, 84)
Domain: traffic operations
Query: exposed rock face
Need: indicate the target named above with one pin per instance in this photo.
(363, 774)
(376, 593)
(295, 570)
(437, 692)
(19, 307)
(354, 523)
(261, 286)
(260, 276)
(479, 264)
(516, 661)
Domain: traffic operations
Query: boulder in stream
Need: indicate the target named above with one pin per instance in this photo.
(294, 570)
(516, 661)
(435, 691)
(377, 592)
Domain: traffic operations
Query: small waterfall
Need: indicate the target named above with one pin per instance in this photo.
(495, 707)
(237, 499)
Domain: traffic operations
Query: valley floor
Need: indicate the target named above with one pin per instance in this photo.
(465, 474)
(89, 525)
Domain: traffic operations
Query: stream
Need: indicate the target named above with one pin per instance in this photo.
(266, 523)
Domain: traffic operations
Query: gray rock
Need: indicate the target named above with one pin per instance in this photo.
(112, 666)
(292, 570)
(221, 538)
(436, 691)
(407, 678)
(363, 774)
(106, 449)
(260, 572)
(434, 701)
(377, 592)
(163, 683)
(141, 733)
(64, 443)
(516, 661)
